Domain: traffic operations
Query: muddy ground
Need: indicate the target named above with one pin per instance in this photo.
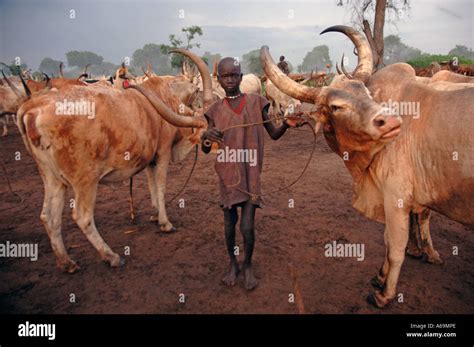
(192, 261)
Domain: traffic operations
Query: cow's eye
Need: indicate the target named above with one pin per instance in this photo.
(335, 108)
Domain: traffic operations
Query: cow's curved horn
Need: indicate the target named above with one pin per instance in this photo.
(48, 81)
(25, 86)
(145, 72)
(339, 72)
(12, 86)
(61, 72)
(85, 71)
(214, 68)
(365, 58)
(283, 82)
(46, 76)
(84, 75)
(203, 70)
(170, 116)
(347, 74)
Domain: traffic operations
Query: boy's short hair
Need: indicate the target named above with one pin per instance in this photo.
(235, 61)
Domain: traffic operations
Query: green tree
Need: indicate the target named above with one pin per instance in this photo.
(316, 59)
(462, 51)
(81, 58)
(210, 59)
(396, 51)
(176, 42)
(153, 54)
(50, 66)
(251, 62)
(14, 69)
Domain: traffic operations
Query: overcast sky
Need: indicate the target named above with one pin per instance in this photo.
(34, 29)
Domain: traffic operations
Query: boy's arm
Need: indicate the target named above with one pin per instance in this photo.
(274, 132)
(291, 121)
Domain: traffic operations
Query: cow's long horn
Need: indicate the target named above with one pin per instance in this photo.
(170, 116)
(339, 72)
(214, 68)
(12, 86)
(365, 58)
(283, 82)
(205, 76)
(46, 76)
(347, 74)
(85, 70)
(25, 86)
(61, 72)
(48, 81)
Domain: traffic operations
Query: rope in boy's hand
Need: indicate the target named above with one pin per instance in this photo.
(215, 134)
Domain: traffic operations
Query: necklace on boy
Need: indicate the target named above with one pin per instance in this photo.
(233, 97)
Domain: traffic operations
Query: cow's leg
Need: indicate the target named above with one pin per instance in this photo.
(161, 175)
(379, 280)
(420, 243)
(151, 172)
(83, 214)
(51, 217)
(396, 238)
(414, 241)
(5, 130)
(432, 256)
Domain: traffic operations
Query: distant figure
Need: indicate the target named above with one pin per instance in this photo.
(283, 65)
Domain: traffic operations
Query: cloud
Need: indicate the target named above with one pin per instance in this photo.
(114, 29)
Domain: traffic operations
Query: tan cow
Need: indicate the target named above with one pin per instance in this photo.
(127, 134)
(10, 100)
(424, 163)
(449, 76)
(281, 103)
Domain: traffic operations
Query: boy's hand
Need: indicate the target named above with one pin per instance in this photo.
(214, 135)
(295, 120)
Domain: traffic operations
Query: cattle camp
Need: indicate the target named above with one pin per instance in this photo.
(226, 157)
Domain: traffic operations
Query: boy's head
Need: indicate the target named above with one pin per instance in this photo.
(282, 58)
(229, 75)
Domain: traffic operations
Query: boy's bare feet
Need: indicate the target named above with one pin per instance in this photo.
(250, 282)
(231, 277)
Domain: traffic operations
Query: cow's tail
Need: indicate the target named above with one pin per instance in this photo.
(20, 122)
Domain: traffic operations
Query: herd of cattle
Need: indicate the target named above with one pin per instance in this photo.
(401, 168)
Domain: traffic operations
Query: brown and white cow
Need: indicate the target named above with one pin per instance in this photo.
(128, 133)
(424, 163)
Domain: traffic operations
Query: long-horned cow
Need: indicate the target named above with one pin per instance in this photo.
(127, 133)
(398, 168)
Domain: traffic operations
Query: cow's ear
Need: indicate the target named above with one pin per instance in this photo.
(323, 113)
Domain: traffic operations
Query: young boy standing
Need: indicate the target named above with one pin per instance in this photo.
(240, 179)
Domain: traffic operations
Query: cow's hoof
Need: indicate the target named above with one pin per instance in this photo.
(414, 252)
(378, 300)
(434, 258)
(115, 260)
(168, 228)
(377, 283)
(70, 267)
